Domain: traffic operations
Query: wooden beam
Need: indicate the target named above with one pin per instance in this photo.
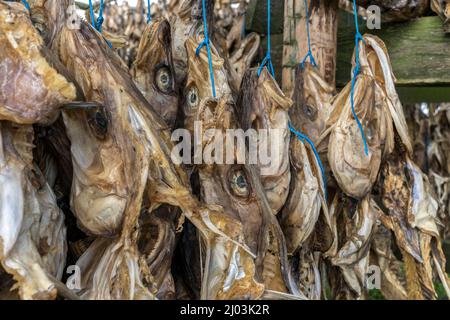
(419, 52)
(323, 29)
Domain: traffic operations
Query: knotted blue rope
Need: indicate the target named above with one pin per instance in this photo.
(149, 12)
(304, 138)
(268, 59)
(358, 37)
(205, 43)
(96, 24)
(309, 54)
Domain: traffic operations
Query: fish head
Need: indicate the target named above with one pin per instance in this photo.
(103, 134)
(198, 88)
(312, 101)
(98, 195)
(153, 70)
(184, 25)
(213, 122)
(242, 57)
(263, 107)
(262, 104)
(32, 87)
(49, 16)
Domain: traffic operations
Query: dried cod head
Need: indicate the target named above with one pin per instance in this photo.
(32, 89)
(307, 190)
(379, 110)
(236, 186)
(312, 99)
(153, 70)
(242, 57)
(263, 106)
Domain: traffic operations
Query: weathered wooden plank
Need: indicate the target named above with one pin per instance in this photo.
(431, 94)
(323, 30)
(257, 16)
(419, 51)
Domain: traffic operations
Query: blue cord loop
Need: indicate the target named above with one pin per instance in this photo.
(304, 138)
(268, 59)
(96, 24)
(205, 43)
(309, 54)
(149, 12)
(358, 37)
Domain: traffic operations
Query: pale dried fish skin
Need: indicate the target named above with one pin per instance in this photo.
(353, 257)
(263, 106)
(312, 99)
(302, 208)
(34, 246)
(153, 70)
(32, 89)
(355, 171)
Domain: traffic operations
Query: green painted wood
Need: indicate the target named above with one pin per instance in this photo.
(431, 94)
(257, 16)
(419, 52)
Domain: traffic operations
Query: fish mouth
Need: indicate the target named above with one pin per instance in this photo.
(98, 213)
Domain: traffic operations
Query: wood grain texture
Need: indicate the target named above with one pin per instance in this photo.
(419, 51)
(323, 29)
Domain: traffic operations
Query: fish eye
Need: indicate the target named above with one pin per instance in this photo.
(310, 111)
(192, 98)
(239, 185)
(370, 131)
(164, 79)
(98, 122)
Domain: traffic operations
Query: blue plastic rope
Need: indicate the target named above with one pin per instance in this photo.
(205, 42)
(358, 37)
(304, 138)
(149, 12)
(24, 2)
(268, 59)
(309, 54)
(96, 24)
(27, 5)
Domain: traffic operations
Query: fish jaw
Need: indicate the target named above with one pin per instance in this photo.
(229, 266)
(98, 214)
